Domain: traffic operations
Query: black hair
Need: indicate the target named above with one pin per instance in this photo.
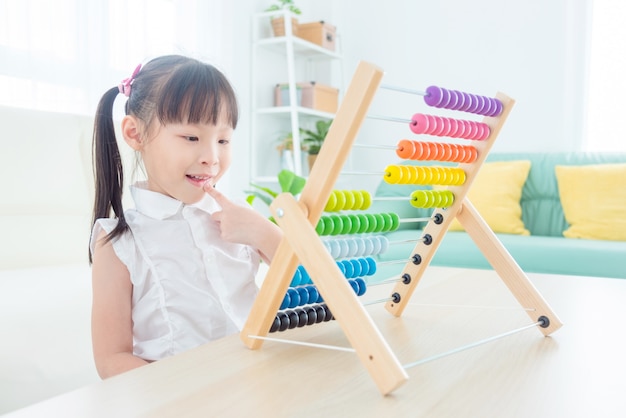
(170, 89)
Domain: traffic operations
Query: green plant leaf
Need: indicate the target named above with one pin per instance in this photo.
(267, 190)
(257, 194)
(290, 182)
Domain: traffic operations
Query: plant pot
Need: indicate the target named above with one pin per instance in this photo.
(311, 160)
(278, 26)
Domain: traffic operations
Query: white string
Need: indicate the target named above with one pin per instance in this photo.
(436, 305)
(472, 345)
(280, 340)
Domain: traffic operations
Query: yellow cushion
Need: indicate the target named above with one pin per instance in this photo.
(496, 194)
(594, 200)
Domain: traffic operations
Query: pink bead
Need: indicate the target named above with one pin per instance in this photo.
(486, 132)
(432, 124)
(447, 127)
(440, 126)
(454, 127)
(474, 130)
(419, 123)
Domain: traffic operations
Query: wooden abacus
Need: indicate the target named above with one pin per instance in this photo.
(301, 243)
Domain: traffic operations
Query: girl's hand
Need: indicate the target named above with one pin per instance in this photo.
(244, 225)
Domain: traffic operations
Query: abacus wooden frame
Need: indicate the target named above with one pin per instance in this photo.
(302, 244)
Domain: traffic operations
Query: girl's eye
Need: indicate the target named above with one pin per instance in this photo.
(224, 141)
(192, 138)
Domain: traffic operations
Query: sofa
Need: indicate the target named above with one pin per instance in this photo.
(539, 244)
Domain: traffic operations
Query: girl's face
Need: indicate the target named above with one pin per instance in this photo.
(180, 158)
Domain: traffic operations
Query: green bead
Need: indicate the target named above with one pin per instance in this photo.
(395, 221)
(337, 224)
(356, 224)
(347, 224)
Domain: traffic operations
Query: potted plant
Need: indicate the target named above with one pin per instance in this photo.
(312, 140)
(288, 181)
(278, 23)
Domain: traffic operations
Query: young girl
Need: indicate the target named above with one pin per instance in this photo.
(178, 270)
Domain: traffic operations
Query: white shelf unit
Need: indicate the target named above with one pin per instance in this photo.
(284, 60)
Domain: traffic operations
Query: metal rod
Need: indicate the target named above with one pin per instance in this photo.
(389, 118)
(472, 345)
(403, 89)
(280, 340)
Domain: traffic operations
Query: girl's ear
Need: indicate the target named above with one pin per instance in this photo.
(131, 130)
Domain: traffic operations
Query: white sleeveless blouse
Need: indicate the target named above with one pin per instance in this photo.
(189, 285)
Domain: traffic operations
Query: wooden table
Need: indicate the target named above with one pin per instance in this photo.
(579, 371)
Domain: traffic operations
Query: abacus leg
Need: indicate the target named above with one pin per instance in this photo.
(506, 267)
(355, 322)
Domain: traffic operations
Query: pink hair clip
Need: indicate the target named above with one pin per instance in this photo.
(124, 86)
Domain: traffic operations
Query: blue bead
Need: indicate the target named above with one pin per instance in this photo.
(295, 297)
(304, 295)
(365, 267)
(354, 285)
(362, 286)
(297, 278)
(349, 268)
(313, 294)
(372, 265)
(357, 270)
(286, 301)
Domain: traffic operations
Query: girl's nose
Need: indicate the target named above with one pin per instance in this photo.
(209, 155)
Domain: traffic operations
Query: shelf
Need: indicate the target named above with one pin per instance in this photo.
(286, 111)
(301, 47)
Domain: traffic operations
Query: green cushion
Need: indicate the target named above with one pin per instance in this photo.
(533, 254)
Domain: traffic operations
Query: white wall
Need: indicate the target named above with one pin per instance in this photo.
(535, 51)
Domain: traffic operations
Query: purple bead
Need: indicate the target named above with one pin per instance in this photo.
(481, 105)
(433, 96)
(460, 100)
(469, 101)
(453, 99)
(445, 98)
(499, 108)
(475, 103)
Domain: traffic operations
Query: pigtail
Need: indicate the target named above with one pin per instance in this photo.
(108, 171)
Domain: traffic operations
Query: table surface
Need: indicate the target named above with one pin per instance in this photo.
(579, 371)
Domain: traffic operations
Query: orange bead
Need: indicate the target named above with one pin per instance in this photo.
(405, 149)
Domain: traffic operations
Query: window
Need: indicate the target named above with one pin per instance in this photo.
(606, 106)
(62, 55)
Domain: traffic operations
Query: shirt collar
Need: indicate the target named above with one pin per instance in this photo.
(159, 206)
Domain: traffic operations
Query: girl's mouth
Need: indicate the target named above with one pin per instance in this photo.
(197, 181)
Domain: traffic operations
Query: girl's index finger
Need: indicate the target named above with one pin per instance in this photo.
(215, 194)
